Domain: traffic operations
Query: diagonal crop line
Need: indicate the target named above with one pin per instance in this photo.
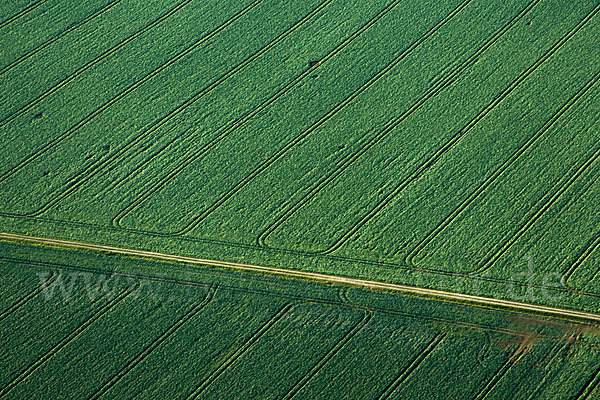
(494, 177)
(585, 254)
(22, 13)
(589, 387)
(29, 296)
(65, 341)
(543, 205)
(240, 351)
(70, 29)
(43, 149)
(84, 68)
(434, 90)
(502, 371)
(154, 345)
(535, 393)
(88, 173)
(410, 368)
(228, 129)
(328, 356)
(433, 160)
(303, 135)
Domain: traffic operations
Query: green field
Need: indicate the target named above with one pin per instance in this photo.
(449, 145)
(407, 141)
(148, 330)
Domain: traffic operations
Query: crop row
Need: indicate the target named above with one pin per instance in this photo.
(201, 343)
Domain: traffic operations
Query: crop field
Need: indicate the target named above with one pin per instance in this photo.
(405, 141)
(427, 171)
(92, 326)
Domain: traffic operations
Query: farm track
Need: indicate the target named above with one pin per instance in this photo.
(70, 29)
(440, 84)
(226, 130)
(543, 207)
(240, 351)
(433, 160)
(76, 74)
(345, 259)
(22, 13)
(65, 341)
(287, 297)
(494, 177)
(328, 356)
(88, 173)
(29, 296)
(303, 135)
(323, 278)
(154, 344)
(410, 368)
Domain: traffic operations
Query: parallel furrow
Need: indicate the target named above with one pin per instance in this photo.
(434, 159)
(536, 392)
(589, 387)
(303, 135)
(587, 251)
(76, 74)
(22, 13)
(57, 37)
(499, 171)
(414, 364)
(504, 368)
(542, 206)
(236, 124)
(240, 351)
(155, 344)
(65, 341)
(29, 296)
(87, 174)
(328, 356)
(434, 90)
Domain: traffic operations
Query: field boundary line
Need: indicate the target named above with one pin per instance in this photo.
(65, 341)
(240, 351)
(21, 13)
(491, 179)
(459, 134)
(29, 296)
(225, 130)
(328, 115)
(345, 259)
(332, 352)
(60, 35)
(411, 367)
(283, 296)
(318, 277)
(154, 344)
(89, 172)
(345, 162)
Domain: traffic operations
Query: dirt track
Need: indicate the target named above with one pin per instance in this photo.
(290, 273)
